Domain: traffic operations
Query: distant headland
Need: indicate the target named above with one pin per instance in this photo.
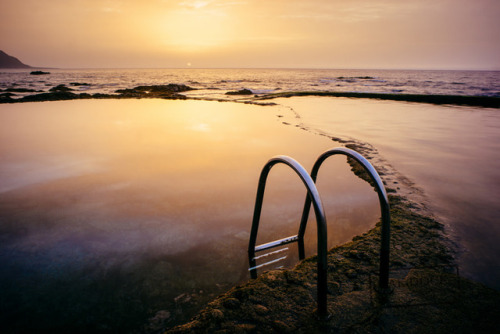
(7, 61)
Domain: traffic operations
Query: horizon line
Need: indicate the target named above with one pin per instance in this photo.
(253, 68)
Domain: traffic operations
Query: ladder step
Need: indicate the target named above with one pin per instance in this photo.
(267, 263)
(277, 243)
(270, 253)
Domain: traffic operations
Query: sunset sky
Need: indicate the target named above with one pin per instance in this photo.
(414, 34)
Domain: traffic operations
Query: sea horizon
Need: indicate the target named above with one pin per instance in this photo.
(260, 68)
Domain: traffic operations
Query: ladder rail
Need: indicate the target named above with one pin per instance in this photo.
(314, 199)
(384, 207)
(277, 243)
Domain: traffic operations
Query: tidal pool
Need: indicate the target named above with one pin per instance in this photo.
(113, 210)
(450, 156)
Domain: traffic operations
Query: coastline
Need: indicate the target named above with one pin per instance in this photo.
(427, 292)
(173, 91)
(427, 289)
(359, 147)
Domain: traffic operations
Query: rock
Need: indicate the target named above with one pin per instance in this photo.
(128, 92)
(231, 303)
(170, 88)
(281, 327)
(20, 90)
(159, 321)
(169, 91)
(60, 88)
(240, 92)
(39, 73)
(244, 328)
(217, 314)
(183, 298)
(261, 309)
(6, 97)
(53, 96)
(79, 84)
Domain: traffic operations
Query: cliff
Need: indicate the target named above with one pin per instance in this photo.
(7, 61)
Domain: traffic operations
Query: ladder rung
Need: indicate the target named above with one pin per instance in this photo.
(271, 253)
(267, 263)
(277, 243)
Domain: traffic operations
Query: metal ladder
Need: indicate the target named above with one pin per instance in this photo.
(314, 199)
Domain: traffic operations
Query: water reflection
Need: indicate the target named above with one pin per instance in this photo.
(113, 210)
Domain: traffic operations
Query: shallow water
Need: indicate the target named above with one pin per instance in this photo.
(113, 210)
(452, 153)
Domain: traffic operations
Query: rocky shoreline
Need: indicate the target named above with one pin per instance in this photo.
(427, 294)
(476, 101)
(62, 92)
(172, 91)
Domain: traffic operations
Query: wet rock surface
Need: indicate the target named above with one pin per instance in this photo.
(479, 101)
(240, 92)
(62, 92)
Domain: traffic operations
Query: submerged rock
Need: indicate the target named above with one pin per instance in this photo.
(240, 92)
(79, 84)
(20, 90)
(158, 322)
(60, 88)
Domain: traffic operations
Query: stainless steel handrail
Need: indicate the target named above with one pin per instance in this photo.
(384, 207)
(313, 197)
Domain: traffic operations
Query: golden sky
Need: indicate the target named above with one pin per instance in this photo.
(420, 34)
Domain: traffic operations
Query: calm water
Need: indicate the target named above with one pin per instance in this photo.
(111, 211)
(450, 153)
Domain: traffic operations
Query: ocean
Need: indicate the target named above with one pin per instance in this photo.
(213, 83)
